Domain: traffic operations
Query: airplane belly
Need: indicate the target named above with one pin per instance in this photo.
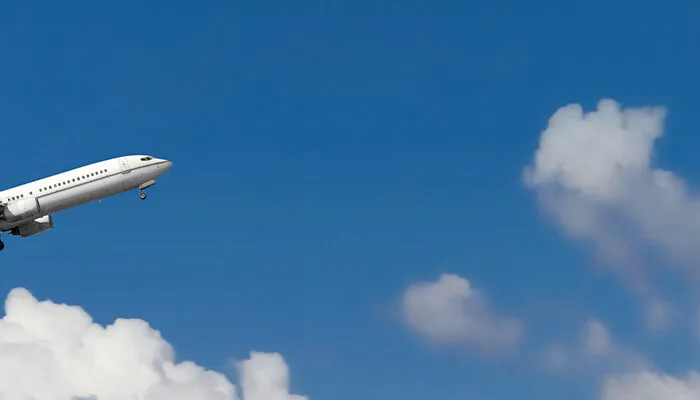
(58, 201)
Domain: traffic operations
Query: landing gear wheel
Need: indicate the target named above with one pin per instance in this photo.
(142, 195)
(2, 245)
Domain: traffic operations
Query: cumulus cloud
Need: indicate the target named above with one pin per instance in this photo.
(594, 175)
(449, 311)
(52, 351)
(651, 386)
(265, 376)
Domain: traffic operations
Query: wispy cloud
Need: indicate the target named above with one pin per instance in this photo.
(651, 386)
(595, 353)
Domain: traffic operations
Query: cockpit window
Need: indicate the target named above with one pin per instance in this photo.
(148, 158)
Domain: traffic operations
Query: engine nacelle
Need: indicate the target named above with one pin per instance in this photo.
(30, 228)
(21, 209)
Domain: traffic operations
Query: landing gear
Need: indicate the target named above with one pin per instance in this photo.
(144, 186)
(2, 245)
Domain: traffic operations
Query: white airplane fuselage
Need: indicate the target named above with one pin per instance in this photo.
(26, 209)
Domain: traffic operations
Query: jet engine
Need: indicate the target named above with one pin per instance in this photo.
(30, 228)
(20, 209)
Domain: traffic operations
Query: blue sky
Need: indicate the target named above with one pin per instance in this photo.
(326, 156)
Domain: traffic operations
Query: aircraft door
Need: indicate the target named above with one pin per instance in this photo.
(124, 165)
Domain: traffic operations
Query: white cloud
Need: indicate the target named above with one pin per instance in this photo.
(54, 351)
(596, 339)
(450, 311)
(265, 376)
(593, 173)
(651, 386)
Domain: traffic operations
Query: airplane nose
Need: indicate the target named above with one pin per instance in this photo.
(164, 164)
(162, 167)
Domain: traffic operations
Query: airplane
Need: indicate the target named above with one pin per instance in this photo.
(27, 210)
